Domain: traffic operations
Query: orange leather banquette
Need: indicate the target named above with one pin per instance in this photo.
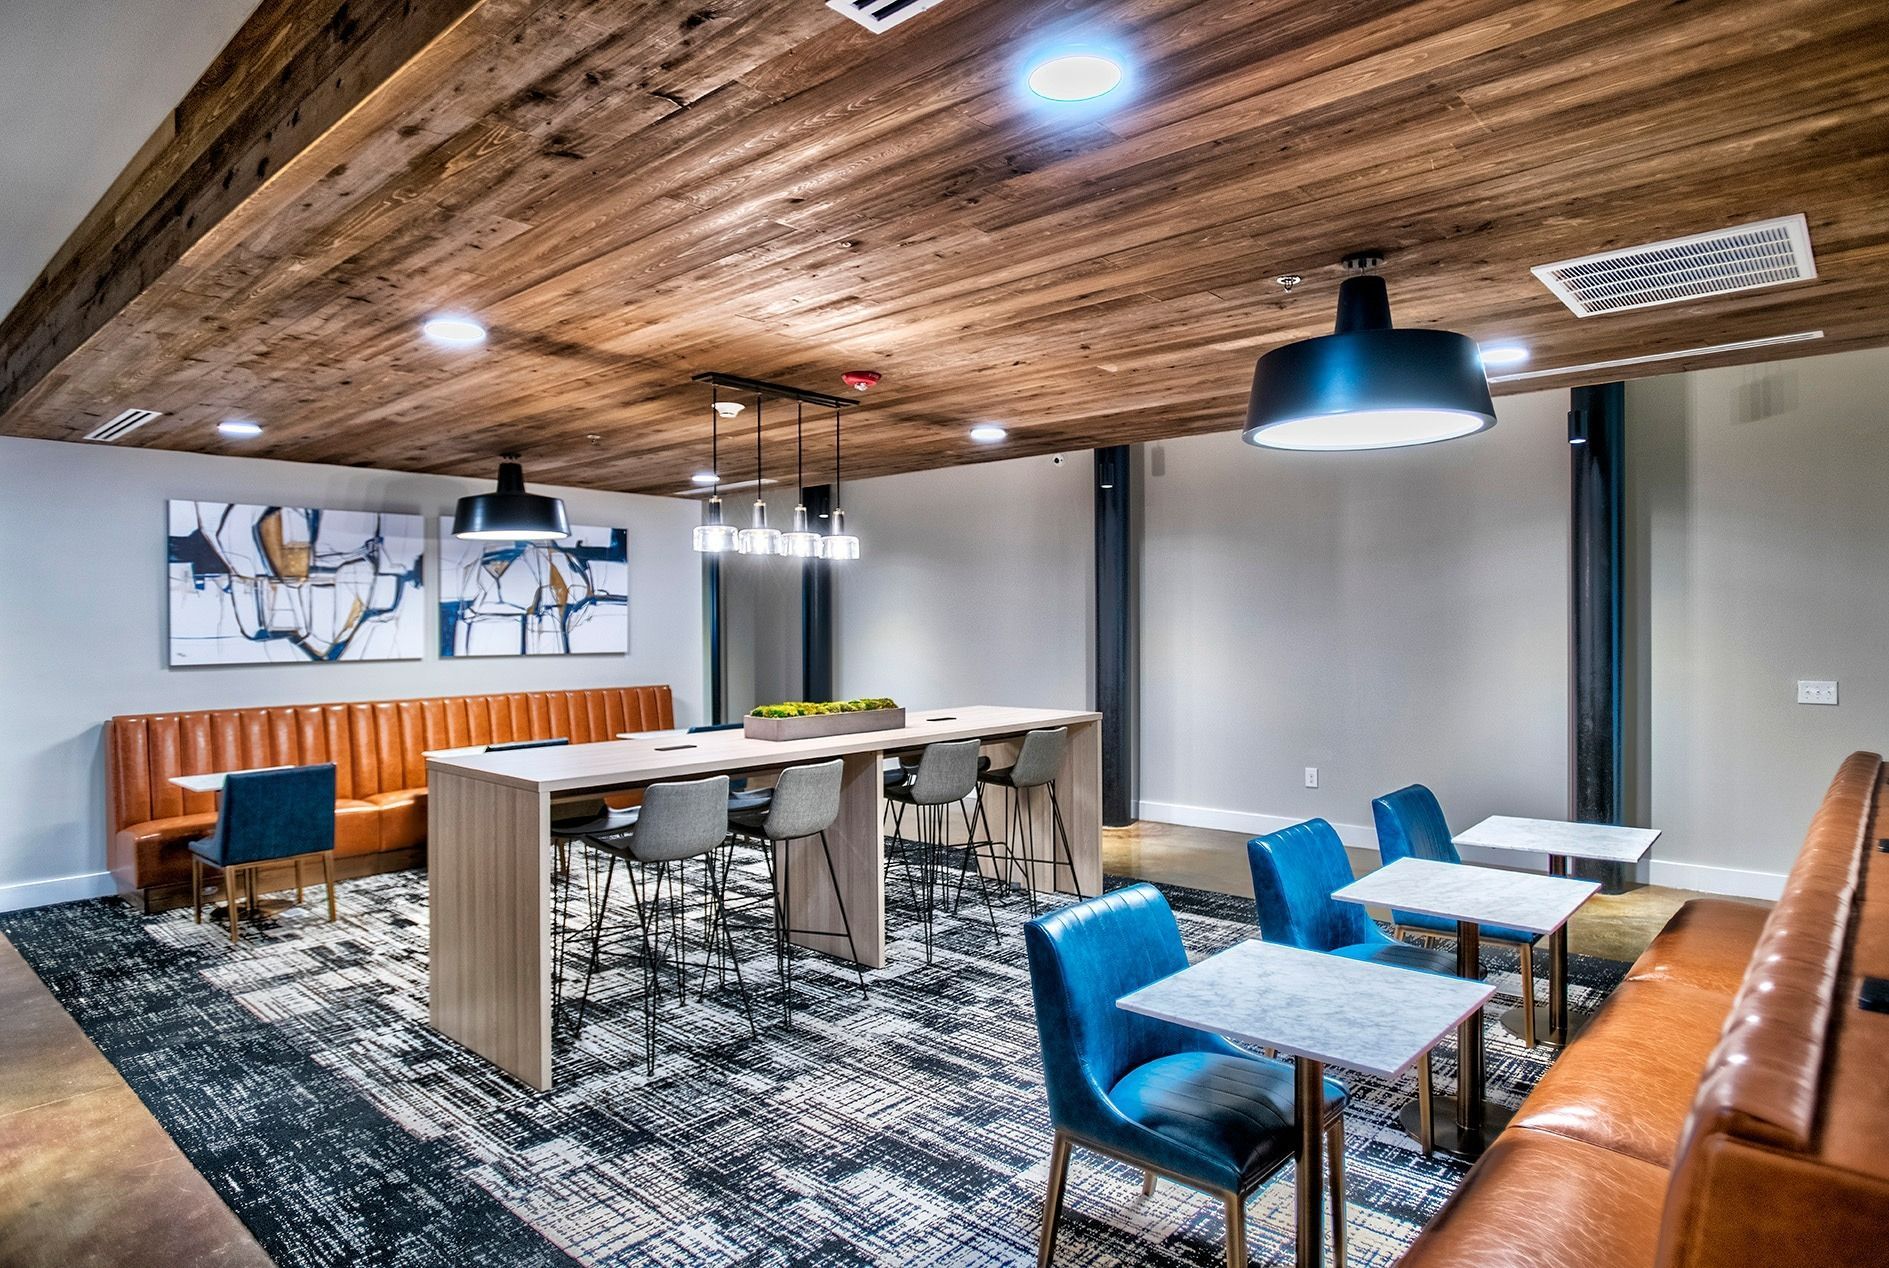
(1729, 1107)
(376, 746)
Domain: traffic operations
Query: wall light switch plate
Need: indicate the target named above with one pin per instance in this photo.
(1311, 776)
(1816, 692)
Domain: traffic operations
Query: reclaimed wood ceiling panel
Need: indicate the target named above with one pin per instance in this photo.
(630, 193)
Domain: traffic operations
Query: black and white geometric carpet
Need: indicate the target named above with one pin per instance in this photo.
(297, 1072)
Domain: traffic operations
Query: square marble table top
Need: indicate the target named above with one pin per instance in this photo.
(1483, 895)
(213, 780)
(1345, 1013)
(1602, 841)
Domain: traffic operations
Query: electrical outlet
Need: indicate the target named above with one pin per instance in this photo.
(1816, 692)
(1311, 776)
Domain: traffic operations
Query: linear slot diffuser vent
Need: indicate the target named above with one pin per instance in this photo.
(1742, 258)
(880, 16)
(1653, 358)
(123, 425)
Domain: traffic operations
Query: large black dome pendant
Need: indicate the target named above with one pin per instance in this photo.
(510, 514)
(1368, 385)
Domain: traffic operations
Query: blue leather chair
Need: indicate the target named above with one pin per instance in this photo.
(267, 817)
(1168, 1099)
(1410, 824)
(1295, 872)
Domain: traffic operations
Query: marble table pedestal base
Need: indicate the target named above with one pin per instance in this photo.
(1451, 1136)
(1466, 1123)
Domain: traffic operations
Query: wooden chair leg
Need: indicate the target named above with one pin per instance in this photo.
(1335, 1160)
(196, 886)
(1236, 1231)
(328, 876)
(1425, 1128)
(1528, 995)
(1147, 1184)
(1053, 1198)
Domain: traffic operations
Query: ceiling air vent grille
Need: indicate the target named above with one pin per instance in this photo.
(1742, 258)
(880, 16)
(123, 425)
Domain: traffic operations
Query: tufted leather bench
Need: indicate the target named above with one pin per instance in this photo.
(1730, 1104)
(376, 746)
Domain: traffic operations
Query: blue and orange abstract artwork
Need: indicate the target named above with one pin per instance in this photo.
(562, 598)
(254, 584)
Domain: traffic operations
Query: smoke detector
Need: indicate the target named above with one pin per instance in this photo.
(123, 425)
(880, 16)
(1725, 262)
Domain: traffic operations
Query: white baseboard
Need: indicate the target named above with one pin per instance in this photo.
(1701, 878)
(60, 889)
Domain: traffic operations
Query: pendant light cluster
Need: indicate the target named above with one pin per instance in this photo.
(714, 537)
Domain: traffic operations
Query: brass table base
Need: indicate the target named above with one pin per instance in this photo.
(1450, 1136)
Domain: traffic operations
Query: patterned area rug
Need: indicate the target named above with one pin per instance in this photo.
(297, 1072)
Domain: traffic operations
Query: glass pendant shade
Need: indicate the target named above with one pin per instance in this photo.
(510, 514)
(712, 537)
(839, 544)
(1368, 385)
(801, 542)
(760, 539)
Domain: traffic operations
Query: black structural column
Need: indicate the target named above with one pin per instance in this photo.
(712, 619)
(1115, 661)
(1596, 751)
(816, 605)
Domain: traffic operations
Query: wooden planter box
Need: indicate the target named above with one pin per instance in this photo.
(820, 725)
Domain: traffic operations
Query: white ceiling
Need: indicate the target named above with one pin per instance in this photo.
(83, 84)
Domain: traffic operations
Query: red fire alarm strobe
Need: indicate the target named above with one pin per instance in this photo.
(860, 380)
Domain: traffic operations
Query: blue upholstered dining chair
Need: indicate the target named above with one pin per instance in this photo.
(1295, 872)
(1168, 1099)
(267, 817)
(1410, 825)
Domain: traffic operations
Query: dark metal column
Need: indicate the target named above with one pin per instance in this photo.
(712, 623)
(816, 605)
(1596, 652)
(1115, 664)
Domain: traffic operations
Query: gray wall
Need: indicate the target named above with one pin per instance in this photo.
(82, 548)
(1760, 516)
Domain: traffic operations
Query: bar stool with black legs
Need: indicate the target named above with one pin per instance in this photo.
(1032, 775)
(806, 802)
(946, 775)
(676, 824)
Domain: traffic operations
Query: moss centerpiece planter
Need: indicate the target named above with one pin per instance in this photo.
(808, 720)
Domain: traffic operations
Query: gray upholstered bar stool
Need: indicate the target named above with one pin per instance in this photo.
(946, 775)
(1033, 774)
(806, 801)
(677, 823)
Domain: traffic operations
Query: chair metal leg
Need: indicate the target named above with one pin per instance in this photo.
(196, 886)
(328, 880)
(1147, 1184)
(1236, 1231)
(298, 881)
(229, 899)
(1053, 1198)
(1528, 995)
(1062, 835)
(1426, 1129)
(846, 925)
(596, 941)
(1335, 1165)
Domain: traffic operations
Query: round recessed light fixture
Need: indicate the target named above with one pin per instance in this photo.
(239, 427)
(988, 434)
(1074, 76)
(1498, 355)
(454, 332)
(704, 477)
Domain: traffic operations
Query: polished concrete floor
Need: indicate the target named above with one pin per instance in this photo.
(87, 1177)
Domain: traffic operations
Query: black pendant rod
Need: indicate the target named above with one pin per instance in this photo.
(714, 439)
(761, 387)
(800, 454)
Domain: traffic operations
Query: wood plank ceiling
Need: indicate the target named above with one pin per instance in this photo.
(629, 193)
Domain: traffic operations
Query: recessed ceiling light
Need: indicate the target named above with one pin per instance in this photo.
(704, 477)
(988, 434)
(1497, 355)
(239, 427)
(455, 332)
(1074, 76)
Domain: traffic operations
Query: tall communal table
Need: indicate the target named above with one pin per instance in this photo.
(489, 857)
(1319, 1010)
(1560, 841)
(1472, 897)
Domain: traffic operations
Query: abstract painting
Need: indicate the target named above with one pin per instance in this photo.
(282, 583)
(562, 598)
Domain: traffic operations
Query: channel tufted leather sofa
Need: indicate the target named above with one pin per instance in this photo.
(376, 746)
(1729, 1106)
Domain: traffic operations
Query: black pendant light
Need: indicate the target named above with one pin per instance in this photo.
(1368, 385)
(510, 514)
